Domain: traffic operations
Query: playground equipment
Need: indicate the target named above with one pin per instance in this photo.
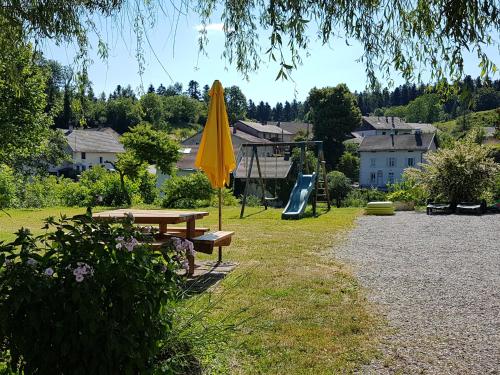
(305, 185)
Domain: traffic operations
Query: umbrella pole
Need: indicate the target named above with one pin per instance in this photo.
(220, 221)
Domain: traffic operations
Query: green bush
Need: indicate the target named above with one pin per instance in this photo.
(360, 197)
(84, 298)
(190, 191)
(408, 190)
(105, 187)
(42, 192)
(7, 187)
(228, 198)
(339, 186)
(459, 174)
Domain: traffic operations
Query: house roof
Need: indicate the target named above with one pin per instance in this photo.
(93, 140)
(294, 127)
(247, 137)
(272, 129)
(410, 142)
(188, 156)
(270, 167)
(424, 127)
(386, 122)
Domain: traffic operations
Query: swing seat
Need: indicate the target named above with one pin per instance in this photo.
(270, 199)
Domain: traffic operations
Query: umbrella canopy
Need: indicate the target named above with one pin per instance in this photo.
(215, 155)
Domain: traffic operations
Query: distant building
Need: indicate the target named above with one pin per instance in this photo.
(88, 148)
(270, 132)
(383, 158)
(385, 125)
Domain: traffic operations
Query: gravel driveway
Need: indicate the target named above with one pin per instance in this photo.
(436, 279)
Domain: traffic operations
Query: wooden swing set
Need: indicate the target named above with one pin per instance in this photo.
(284, 149)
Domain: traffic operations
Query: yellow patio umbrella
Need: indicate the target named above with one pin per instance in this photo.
(215, 155)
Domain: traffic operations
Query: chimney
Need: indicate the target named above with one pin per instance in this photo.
(278, 124)
(234, 129)
(387, 119)
(392, 137)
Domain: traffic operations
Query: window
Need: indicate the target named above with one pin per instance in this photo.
(373, 177)
(411, 162)
(391, 177)
(100, 159)
(84, 156)
(373, 162)
(391, 162)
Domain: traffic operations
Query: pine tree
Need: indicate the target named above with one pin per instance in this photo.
(161, 90)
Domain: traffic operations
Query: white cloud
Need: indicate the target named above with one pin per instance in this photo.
(211, 27)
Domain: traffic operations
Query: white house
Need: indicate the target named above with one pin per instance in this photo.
(88, 148)
(383, 158)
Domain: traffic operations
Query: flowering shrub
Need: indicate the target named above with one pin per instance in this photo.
(86, 298)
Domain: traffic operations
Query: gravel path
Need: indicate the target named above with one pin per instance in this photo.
(436, 279)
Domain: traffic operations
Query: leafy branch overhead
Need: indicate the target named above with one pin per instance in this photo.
(396, 35)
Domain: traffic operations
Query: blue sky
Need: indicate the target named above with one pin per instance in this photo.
(176, 46)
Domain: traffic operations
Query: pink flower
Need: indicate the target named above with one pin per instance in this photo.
(185, 265)
(31, 262)
(131, 244)
(49, 271)
(79, 278)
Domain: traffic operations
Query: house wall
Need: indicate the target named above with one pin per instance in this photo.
(382, 165)
(93, 158)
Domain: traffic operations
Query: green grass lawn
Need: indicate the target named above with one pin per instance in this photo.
(298, 310)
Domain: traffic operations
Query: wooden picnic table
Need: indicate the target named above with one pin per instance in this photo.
(160, 217)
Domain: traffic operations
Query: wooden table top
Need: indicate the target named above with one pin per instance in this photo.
(152, 216)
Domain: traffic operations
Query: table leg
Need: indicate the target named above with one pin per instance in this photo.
(190, 234)
(163, 228)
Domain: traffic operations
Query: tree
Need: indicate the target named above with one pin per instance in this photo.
(123, 113)
(161, 90)
(24, 125)
(236, 104)
(152, 109)
(175, 89)
(339, 186)
(486, 98)
(334, 114)
(251, 110)
(349, 165)
(462, 173)
(400, 36)
(287, 112)
(181, 110)
(425, 108)
(278, 112)
(206, 95)
(193, 90)
(152, 146)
